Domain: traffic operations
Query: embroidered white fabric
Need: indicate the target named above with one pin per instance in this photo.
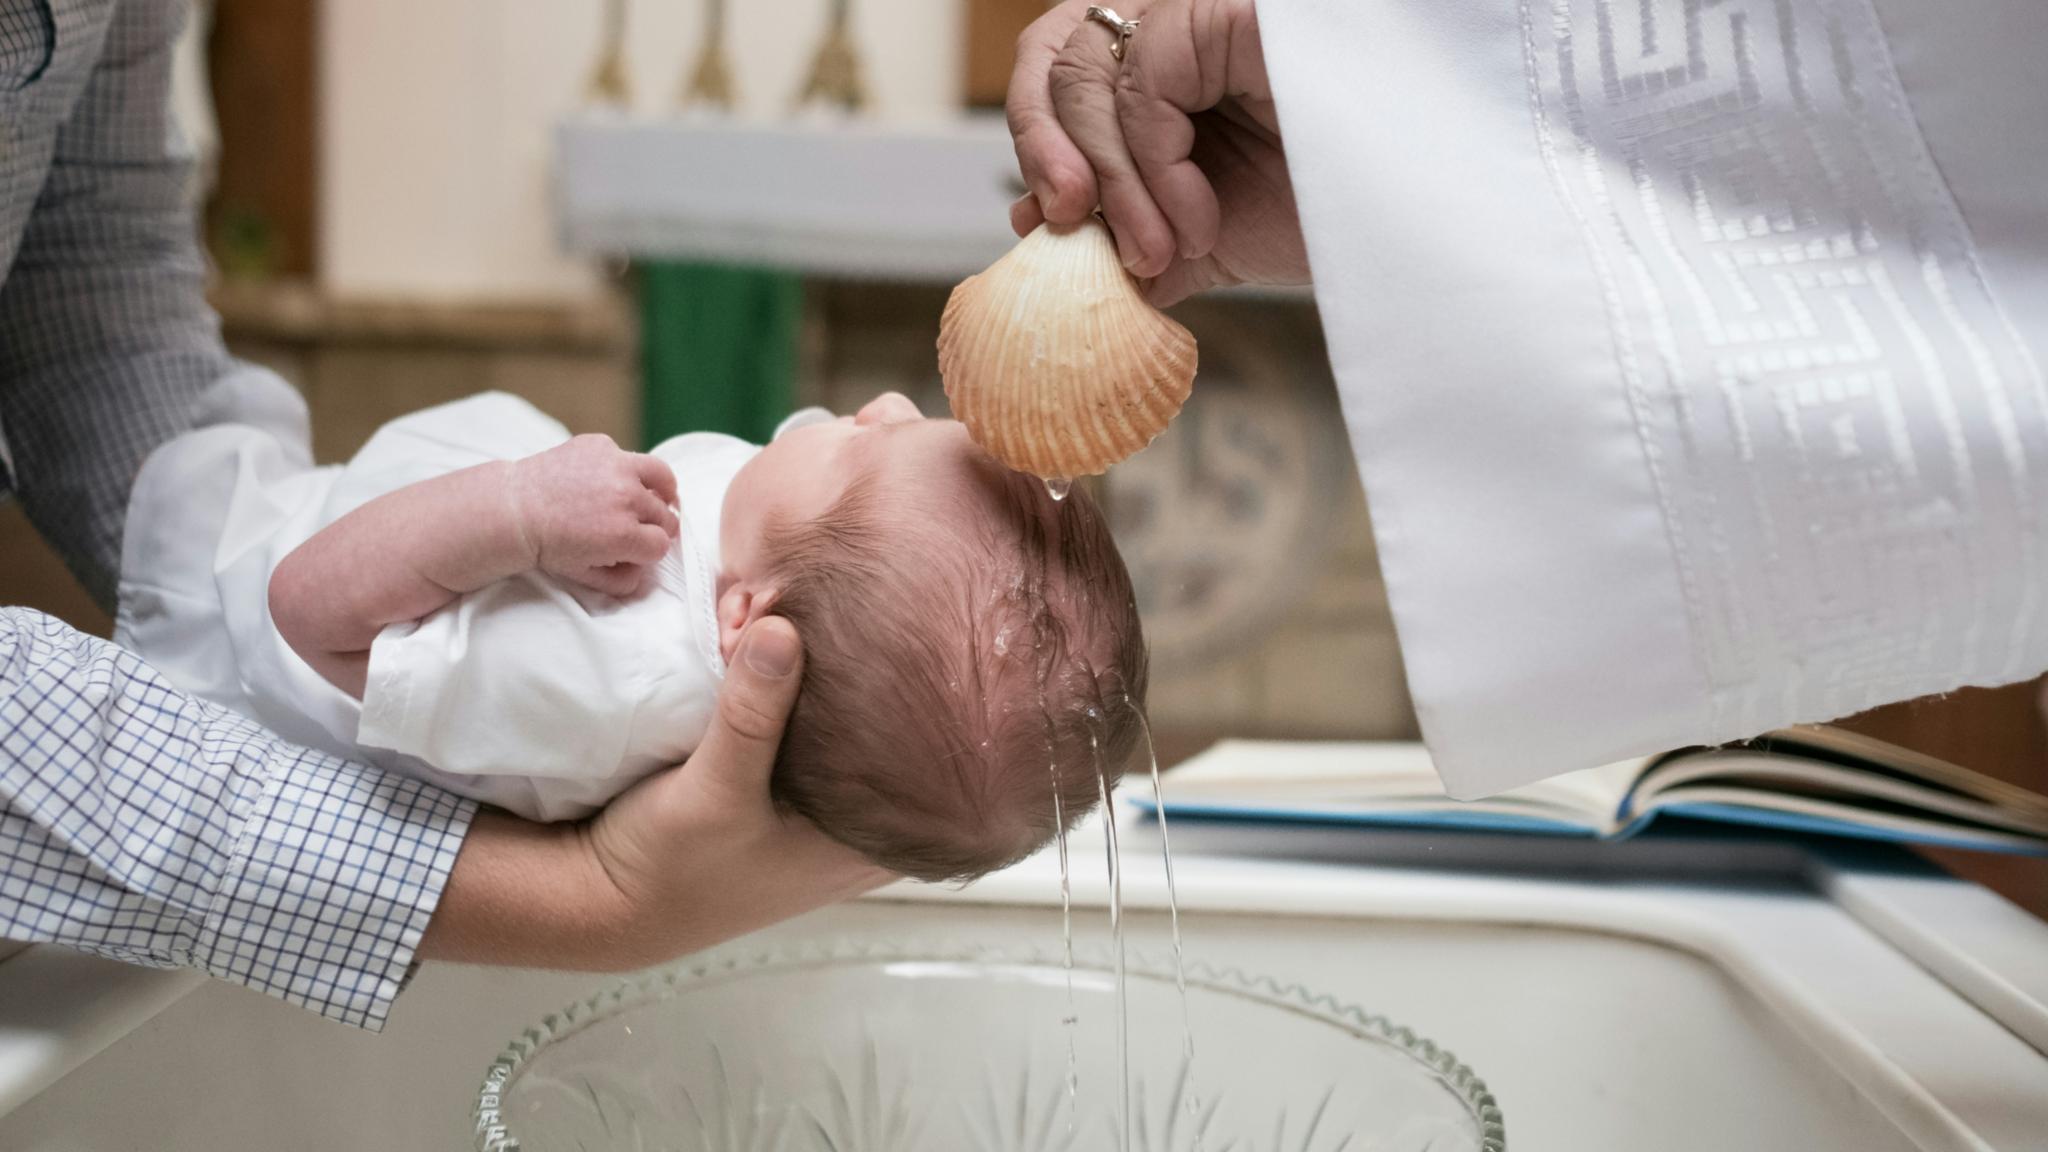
(1687, 402)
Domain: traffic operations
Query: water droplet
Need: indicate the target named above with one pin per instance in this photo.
(1058, 486)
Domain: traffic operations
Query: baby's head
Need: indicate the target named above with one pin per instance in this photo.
(971, 646)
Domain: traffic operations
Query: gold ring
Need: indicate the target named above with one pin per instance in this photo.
(1123, 28)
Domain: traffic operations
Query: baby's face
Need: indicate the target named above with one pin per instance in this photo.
(802, 473)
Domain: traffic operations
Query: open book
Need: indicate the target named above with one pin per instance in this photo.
(1811, 779)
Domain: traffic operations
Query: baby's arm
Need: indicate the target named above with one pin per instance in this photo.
(585, 511)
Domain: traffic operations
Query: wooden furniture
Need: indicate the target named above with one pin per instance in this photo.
(263, 217)
(2001, 732)
(992, 30)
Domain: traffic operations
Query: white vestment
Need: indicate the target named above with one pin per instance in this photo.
(1691, 351)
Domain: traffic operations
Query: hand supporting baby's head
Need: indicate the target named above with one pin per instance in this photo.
(974, 666)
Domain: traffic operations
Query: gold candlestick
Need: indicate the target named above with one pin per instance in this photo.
(835, 77)
(710, 80)
(610, 82)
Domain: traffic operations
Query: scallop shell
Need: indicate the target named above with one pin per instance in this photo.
(1055, 361)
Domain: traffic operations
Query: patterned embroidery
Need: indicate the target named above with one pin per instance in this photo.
(1847, 436)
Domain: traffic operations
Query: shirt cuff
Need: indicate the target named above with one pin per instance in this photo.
(335, 872)
(389, 718)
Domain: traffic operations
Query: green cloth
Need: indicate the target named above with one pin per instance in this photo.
(718, 349)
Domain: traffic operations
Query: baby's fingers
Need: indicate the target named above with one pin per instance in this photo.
(642, 544)
(620, 580)
(656, 476)
(651, 511)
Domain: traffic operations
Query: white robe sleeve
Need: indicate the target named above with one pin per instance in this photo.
(521, 678)
(1691, 354)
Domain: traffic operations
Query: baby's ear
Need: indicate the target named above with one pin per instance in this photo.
(742, 603)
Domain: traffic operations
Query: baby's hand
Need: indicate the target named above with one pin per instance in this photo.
(595, 514)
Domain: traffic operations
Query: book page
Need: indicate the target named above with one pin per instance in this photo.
(1811, 814)
(1767, 778)
(1391, 777)
(1842, 743)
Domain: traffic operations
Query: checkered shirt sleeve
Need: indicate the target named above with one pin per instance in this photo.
(140, 824)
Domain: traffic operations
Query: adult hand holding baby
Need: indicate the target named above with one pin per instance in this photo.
(702, 854)
(688, 858)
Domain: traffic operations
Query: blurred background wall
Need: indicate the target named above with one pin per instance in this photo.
(437, 119)
(381, 206)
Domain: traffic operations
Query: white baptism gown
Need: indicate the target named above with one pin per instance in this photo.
(538, 697)
(1691, 351)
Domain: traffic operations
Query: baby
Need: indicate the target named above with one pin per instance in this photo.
(537, 621)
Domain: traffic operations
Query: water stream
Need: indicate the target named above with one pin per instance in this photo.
(1072, 1019)
(1116, 935)
(1192, 1094)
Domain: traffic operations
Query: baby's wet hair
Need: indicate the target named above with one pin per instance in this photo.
(972, 659)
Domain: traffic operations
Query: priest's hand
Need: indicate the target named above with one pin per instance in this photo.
(1178, 143)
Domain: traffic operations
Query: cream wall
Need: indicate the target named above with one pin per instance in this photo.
(437, 117)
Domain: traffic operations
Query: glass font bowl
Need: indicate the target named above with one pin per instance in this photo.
(952, 1047)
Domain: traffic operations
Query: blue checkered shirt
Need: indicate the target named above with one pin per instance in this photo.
(146, 826)
(135, 821)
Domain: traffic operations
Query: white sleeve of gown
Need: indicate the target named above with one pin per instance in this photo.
(518, 679)
(1691, 354)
